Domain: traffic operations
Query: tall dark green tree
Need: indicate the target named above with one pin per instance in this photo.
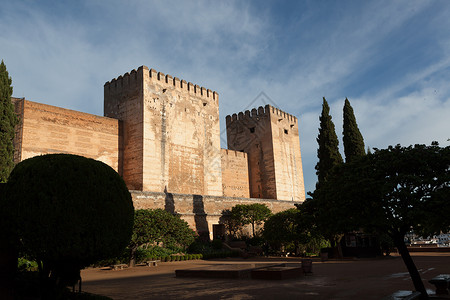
(328, 152)
(352, 137)
(8, 121)
(390, 192)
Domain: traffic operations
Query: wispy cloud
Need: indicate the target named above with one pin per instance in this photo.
(389, 57)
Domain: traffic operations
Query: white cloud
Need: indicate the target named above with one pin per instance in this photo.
(60, 57)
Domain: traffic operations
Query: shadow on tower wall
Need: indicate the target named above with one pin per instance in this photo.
(201, 223)
(169, 203)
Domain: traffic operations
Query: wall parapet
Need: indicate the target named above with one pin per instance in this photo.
(256, 114)
(236, 153)
(146, 194)
(131, 78)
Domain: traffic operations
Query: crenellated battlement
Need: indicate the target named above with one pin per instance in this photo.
(132, 78)
(256, 114)
(235, 153)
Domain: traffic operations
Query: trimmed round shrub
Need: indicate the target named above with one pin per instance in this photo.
(68, 211)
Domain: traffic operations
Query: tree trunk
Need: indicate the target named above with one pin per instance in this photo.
(253, 229)
(412, 269)
(132, 257)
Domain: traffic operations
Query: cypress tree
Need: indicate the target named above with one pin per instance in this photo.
(352, 138)
(8, 121)
(328, 152)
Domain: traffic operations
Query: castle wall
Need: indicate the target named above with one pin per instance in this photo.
(18, 109)
(251, 132)
(270, 137)
(200, 212)
(171, 128)
(46, 129)
(235, 174)
(287, 156)
(123, 100)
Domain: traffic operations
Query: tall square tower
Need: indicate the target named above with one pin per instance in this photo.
(170, 133)
(271, 139)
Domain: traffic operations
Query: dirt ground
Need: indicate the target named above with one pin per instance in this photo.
(333, 279)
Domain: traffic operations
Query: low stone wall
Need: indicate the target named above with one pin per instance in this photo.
(201, 212)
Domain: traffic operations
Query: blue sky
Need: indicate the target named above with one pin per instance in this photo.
(390, 58)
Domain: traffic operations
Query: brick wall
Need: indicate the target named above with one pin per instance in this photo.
(46, 129)
(235, 174)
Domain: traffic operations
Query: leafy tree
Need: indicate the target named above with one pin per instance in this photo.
(232, 226)
(392, 191)
(328, 152)
(253, 214)
(67, 212)
(287, 227)
(154, 226)
(353, 140)
(8, 120)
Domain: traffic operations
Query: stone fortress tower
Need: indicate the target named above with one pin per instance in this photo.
(162, 135)
(270, 137)
(171, 133)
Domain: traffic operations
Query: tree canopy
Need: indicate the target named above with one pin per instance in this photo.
(8, 120)
(153, 226)
(328, 151)
(391, 191)
(292, 226)
(253, 214)
(352, 137)
(67, 212)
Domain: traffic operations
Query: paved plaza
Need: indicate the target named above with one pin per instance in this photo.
(333, 279)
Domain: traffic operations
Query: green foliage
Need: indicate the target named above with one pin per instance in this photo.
(282, 227)
(24, 264)
(391, 191)
(292, 228)
(253, 214)
(209, 249)
(232, 226)
(67, 212)
(217, 244)
(352, 137)
(157, 226)
(328, 152)
(8, 120)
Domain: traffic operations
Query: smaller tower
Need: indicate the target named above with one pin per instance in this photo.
(270, 137)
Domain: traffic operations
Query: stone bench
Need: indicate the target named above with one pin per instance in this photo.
(119, 266)
(152, 263)
(442, 283)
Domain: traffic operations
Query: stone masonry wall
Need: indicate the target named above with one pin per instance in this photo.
(171, 132)
(201, 212)
(251, 132)
(287, 156)
(123, 100)
(46, 129)
(270, 137)
(235, 174)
